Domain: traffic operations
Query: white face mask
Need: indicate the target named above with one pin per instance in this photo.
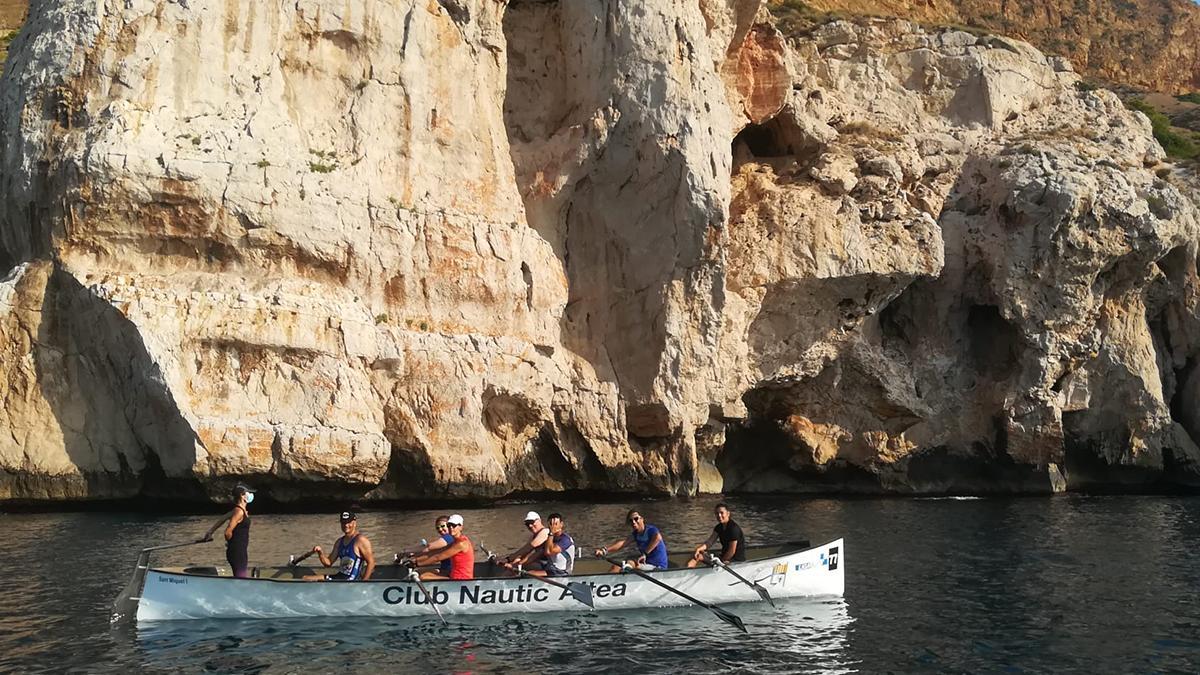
(249, 497)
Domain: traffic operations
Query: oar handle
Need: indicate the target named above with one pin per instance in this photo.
(296, 560)
(177, 545)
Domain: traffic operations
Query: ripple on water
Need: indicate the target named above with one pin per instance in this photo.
(993, 585)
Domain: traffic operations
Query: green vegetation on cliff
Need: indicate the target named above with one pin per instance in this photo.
(6, 38)
(1176, 144)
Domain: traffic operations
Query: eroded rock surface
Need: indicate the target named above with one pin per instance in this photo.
(471, 248)
(1148, 43)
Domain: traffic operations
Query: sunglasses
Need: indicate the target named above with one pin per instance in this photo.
(635, 519)
(453, 525)
(529, 522)
(443, 526)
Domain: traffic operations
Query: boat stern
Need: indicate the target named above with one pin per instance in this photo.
(816, 572)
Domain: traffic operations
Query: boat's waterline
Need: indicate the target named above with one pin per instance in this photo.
(170, 595)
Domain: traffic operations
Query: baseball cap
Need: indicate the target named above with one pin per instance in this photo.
(241, 488)
(532, 515)
(455, 520)
(348, 516)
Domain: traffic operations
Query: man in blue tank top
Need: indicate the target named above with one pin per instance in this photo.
(649, 541)
(352, 554)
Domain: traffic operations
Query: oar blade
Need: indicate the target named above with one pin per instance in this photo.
(729, 618)
(582, 593)
(762, 593)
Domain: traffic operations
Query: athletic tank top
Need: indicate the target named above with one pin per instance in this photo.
(462, 564)
(444, 566)
(564, 560)
(240, 540)
(349, 564)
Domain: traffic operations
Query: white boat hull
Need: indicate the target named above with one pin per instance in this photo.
(169, 595)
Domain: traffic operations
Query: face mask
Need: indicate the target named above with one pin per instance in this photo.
(249, 497)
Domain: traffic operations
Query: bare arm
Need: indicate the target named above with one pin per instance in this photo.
(446, 552)
(326, 561)
(614, 547)
(654, 543)
(518, 554)
(535, 547)
(712, 539)
(435, 545)
(366, 553)
(728, 554)
(227, 516)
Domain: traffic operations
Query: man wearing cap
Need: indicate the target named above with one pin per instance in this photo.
(532, 550)
(443, 540)
(352, 554)
(461, 555)
(237, 531)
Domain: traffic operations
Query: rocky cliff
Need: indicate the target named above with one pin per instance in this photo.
(469, 247)
(1153, 44)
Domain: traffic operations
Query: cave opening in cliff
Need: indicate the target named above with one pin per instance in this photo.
(779, 138)
(994, 343)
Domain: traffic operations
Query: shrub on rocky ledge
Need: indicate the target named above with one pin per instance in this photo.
(1176, 145)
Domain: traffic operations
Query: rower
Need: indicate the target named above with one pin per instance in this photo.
(733, 540)
(649, 542)
(532, 548)
(443, 540)
(352, 552)
(460, 553)
(557, 557)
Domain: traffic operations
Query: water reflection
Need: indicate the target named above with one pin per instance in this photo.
(797, 636)
(1069, 584)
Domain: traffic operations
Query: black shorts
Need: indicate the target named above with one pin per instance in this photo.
(552, 571)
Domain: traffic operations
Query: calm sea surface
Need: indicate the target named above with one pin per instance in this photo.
(1069, 584)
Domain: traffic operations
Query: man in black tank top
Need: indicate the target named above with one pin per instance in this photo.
(729, 533)
(237, 532)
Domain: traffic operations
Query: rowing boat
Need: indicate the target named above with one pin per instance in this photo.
(168, 593)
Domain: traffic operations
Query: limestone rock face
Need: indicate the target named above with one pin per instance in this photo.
(980, 283)
(1147, 43)
(470, 248)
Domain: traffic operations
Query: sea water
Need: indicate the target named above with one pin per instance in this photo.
(1063, 584)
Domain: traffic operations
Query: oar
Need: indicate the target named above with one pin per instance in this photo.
(294, 560)
(416, 578)
(728, 617)
(716, 561)
(580, 592)
(125, 605)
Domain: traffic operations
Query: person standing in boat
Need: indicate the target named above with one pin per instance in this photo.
(461, 555)
(649, 541)
(729, 533)
(557, 555)
(352, 554)
(237, 532)
(538, 534)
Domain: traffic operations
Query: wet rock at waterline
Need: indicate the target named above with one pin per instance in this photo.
(476, 248)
